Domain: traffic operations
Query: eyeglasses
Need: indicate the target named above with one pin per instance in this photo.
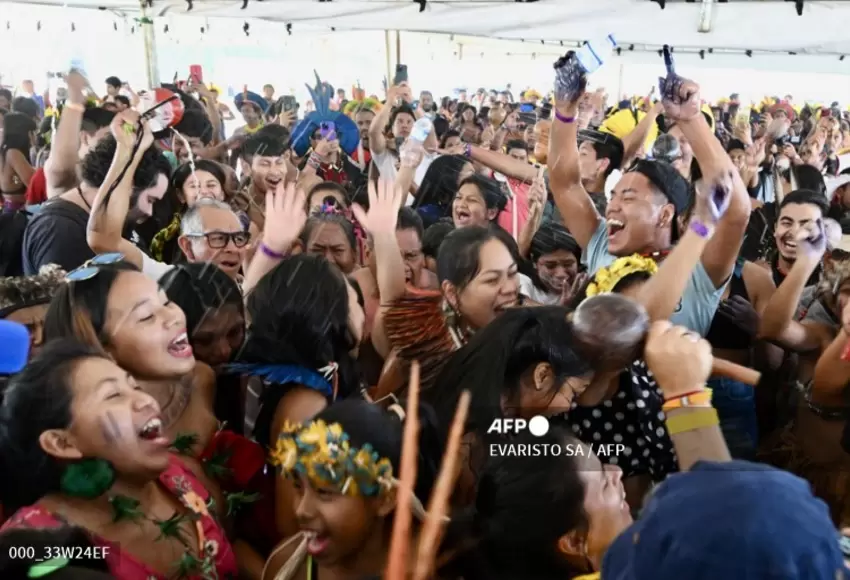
(219, 240)
(92, 267)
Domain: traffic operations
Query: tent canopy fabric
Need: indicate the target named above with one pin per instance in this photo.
(761, 25)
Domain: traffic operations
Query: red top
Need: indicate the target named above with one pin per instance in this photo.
(180, 481)
(37, 189)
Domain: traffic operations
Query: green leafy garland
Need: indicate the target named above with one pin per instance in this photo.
(216, 468)
(126, 508)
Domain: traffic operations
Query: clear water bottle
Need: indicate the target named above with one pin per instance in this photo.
(421, 129)
(594, 53)
(572, 69)
(78, 66)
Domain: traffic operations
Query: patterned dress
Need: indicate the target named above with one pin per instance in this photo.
(122, 564)
(632, 418)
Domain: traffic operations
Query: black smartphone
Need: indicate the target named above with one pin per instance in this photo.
(400, 74)
(289, 103)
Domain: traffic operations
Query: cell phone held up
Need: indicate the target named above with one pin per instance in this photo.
(196, 74)
(400, 75)
(327, 130)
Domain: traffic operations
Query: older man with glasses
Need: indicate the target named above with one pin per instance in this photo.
(211, 232)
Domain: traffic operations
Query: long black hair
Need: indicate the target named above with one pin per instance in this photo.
(78, 309)
(200, 290)
(459, 256)
(491, 364)
(523, 505)
(37, 399)
(299, 316)
(16, 134)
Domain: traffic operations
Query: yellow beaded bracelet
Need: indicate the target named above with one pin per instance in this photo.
(696, 419)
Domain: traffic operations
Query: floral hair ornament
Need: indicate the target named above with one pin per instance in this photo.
(606, 279)
(323, 454)
(42, 569)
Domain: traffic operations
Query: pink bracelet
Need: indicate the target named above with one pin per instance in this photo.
(564, 119)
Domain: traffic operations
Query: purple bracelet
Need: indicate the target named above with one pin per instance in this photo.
(699, 229)
(271, 253)
(467, 151)
(564, 119)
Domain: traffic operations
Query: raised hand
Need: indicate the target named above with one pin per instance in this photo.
(570, 291)
(385, 201)
(285, 217)
(679, 95)
(741, 313)
(812, 241)
(667, 346)
(570, 80)
(713, 199)
(124, 126)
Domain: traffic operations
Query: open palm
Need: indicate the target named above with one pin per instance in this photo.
(385, 201)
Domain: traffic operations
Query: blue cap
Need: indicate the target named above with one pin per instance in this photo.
(731, 521)
(14, 347)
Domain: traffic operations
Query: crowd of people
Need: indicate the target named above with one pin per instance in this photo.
(231, 337)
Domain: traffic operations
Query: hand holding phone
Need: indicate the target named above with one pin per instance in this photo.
(400, 75)
(679, 96)
(570, 79)
(327, 131)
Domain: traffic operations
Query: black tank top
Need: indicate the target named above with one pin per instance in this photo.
(723, 333)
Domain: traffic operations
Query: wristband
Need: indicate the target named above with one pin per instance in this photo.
(688, 394)
(75, 107)
(700, 229)
(564, 119)
(467, 150)
(271, 253)
(692, 421)
(699, 399)
(314, 161)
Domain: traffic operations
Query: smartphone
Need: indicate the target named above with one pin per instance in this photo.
(289, 103)
(196, 73)
(328, 131)
(400, 74)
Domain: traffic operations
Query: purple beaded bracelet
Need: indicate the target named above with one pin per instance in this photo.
(699, 229)
(564, 119)
(271, 253)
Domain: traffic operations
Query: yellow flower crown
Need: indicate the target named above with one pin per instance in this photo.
(323, 454)
(606, 279)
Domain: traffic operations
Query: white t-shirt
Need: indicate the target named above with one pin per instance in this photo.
(385, 162)
(535, 294)
(154, 269)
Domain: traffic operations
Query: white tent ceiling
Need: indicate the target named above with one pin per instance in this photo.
(760, 25)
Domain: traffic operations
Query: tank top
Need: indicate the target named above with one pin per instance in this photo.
(723, 333)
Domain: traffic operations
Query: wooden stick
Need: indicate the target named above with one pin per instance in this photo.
(438, 506)
(400, 543)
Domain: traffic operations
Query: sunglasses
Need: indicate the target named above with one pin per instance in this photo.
(92, 267)
(219, 240)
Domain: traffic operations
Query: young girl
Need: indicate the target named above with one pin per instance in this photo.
(478, 202)
(556, 258)
(345, 499)
(83, 444)
(109, 304)
(300, 355)
(520, 365)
